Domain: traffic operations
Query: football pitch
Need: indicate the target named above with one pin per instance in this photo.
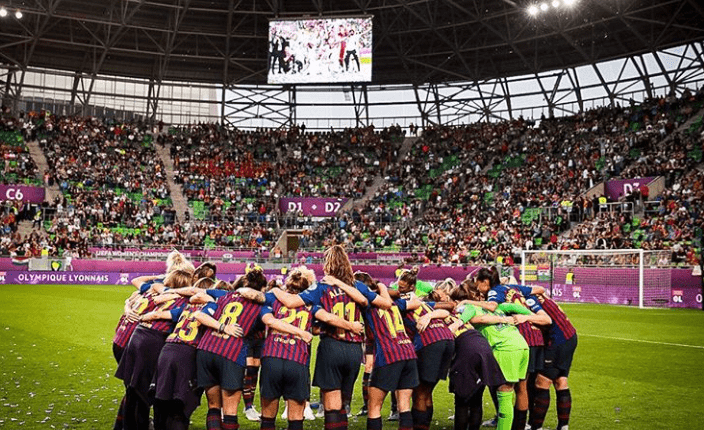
(634, 369)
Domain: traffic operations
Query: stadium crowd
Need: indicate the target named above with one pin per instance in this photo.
(468, 194)
(232, 172)
(18, 167)
(481, 192)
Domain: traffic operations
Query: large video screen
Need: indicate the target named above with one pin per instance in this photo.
(303, 51)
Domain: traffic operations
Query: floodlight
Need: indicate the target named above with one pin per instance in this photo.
(544, 6)
(533, 10)
(3, 12)
(555, 3)
(18, 14)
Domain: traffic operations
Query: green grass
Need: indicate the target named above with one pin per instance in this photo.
(57, 365)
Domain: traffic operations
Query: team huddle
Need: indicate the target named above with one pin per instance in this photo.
(186, 333)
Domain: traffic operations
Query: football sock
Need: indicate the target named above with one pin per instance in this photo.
(540, 408)
(374, 423)
(336, 420)
(494, 398)
(213, 420)
(343, 418)
(268, 423)
(177, 419)
(461, 413)
(405, 421)
(475, 410)
(229, 422)
(420, 419)
(468, 411)
(161, 414)
(250, 385)
(365, 388)
(519, 419)
(120, 415)
(136, 413)
(394, 404)
(295, 424)
(563, 398)
(531, 391)
(505, 410)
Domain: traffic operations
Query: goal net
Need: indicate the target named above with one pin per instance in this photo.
(631, 277)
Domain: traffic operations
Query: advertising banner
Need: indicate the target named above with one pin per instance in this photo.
(132, 253)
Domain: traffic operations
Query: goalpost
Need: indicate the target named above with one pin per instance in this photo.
(612, 276)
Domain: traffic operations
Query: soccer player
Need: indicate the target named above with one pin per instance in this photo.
(408, 282)
(368, 366)
(434, 344)
(488, 284)
(176, 393)
(562, 343)
(395, 369)
(255, 343)
(140, 302)
(286, 355)
(473, 368)
(339, 351)
(221, 355)
(510, 350)
(139, 360)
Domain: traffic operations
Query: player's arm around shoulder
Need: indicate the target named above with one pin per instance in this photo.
(293, 301)
(355, 327)
(284, 327)
(350, 290)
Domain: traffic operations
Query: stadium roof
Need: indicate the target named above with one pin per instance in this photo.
(415, 41)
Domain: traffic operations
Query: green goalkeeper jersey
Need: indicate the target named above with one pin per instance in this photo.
(501, 337)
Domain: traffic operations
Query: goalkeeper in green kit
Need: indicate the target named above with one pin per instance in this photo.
(508, 345)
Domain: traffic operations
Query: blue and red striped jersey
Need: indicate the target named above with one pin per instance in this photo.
(167, 326)
(284, 345)
(505, 294)
(391, 343)
(465, 327)
(231, 308)
(188, 330)
(436, 331)
(124, 328)
(338, 303)
(561, 330)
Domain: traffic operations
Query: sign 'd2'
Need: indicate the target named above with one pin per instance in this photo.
(312, 206)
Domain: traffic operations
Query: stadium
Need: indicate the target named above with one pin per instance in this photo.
(220, 179)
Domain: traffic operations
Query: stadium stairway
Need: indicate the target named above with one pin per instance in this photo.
(177, 197)
(380, 180)
(24, 228)
(52, 192)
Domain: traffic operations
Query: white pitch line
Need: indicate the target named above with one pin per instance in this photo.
(642, 341)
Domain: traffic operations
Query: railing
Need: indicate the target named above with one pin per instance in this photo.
(575, 214)
(652, 207)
